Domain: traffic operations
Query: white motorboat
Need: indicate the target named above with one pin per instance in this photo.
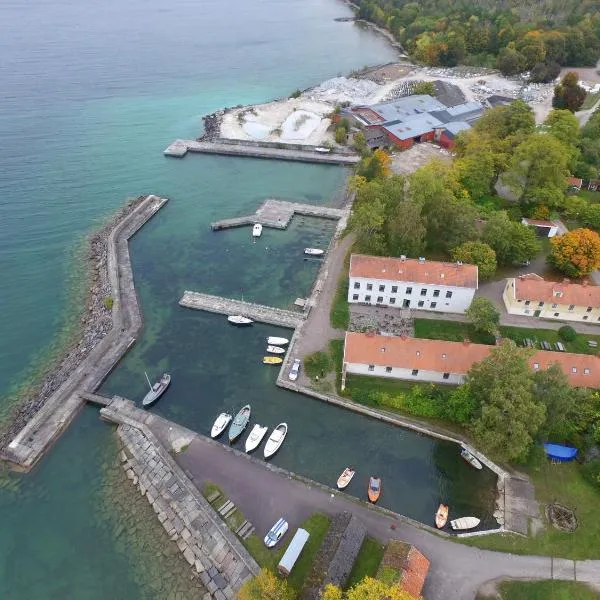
(465, 523)
(239, 320)
(314, 251)
(275, 439)
(220, 425)
(345, 478)
(470, 459)
(275, 350)
(322, 150)
(255, 438)
(277, 341)
(257, 230)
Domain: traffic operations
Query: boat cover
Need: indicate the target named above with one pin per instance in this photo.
(559, 452)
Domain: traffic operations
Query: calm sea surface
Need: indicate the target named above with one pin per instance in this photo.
(90, 95)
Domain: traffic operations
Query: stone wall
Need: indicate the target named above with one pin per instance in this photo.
(211, 549)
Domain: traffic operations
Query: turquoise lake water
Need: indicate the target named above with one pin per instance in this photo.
(91, 97)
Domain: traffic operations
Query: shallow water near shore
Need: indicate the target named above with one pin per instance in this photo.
(92, 95)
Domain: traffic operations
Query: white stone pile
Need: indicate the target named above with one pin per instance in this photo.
(344, 89)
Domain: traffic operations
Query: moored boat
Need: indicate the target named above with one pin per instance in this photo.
(441, 516)
(374, 490)
(469, 458)
(272, 360)
(239, 320)
(314, 251)
(156, 390)
(275, 439)
(464, 523)
(220, 425)
(255, 438)
(277, 341)
(257, 230)
(275, 350)
(345, 478)
(239, 423)
(322, 150)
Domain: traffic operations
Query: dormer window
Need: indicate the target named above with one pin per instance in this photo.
(558, 294)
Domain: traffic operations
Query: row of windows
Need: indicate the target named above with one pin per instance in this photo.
(584, 318)
(540, 304)
(405, 303)
(415, 372)
(408, 291)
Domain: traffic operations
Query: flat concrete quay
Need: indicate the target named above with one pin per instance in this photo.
(277, 214)
(227, 306)
(179, 148)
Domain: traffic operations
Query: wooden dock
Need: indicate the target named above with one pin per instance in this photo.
(228, 306)
(278, 214)
(179, 148)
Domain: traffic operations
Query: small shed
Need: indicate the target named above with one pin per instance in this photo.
(289, 558)
(544, 228)
(560, 453)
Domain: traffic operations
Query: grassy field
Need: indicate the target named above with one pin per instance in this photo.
(590, 100)
(340, 313)
(367, 561)
(316, 525)
(562, 483)
(543, 590)
(457, 331)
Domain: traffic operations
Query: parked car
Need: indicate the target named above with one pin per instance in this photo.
(294, 370)
(276, 533)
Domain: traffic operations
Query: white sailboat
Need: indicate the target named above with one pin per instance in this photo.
(156, 390)
(255, 438)
(275, 439)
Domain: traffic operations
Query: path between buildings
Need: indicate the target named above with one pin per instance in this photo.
(457, 571)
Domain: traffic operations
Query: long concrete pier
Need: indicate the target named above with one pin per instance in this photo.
(179, 148)
(277, 214)
(56, 414)
(228, 306)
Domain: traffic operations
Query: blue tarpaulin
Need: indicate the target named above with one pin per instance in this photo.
(558, 452)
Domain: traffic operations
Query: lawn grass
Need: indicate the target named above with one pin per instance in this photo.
(316, 525)
(367, 561)
(543, 590)
(339, 317)
(209, 487)
(456, 331)
(589, 195)
(565, 484)
(590, 100)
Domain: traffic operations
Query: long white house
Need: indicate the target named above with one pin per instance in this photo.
(417, 284)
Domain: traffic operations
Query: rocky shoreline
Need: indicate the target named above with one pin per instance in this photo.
(95, 323)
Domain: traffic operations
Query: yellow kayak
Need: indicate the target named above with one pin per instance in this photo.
(272, 360)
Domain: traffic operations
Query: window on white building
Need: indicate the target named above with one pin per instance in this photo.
(367, 298)
(585, 317)
(379, 299)
(554, 305)
(415, 372)
(354, 296)
(556, 314)
(589, 309)
(369, 287)
(541, 304)
(421, 302)
(392, 300)
(436, 293)
(433, 304)
(357, 285)
(406, 304)
(571, 306)
(424, 292)
(448, 294)
(394, 289)
(408, 291)
(388, 369)
(382, 288)
(446, 376)
(527, 302)
(371, 367)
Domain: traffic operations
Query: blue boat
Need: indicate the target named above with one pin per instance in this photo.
(560, 453)
(239, 423)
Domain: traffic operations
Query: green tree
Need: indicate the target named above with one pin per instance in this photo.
(576, 253)
(509, 416)
(563, 125)
(265, 586)
(476, 169)
(569, 94)
(359, 142)
(367, 222)
(477, 253)
(406, 231)
(513, 242)
(340, 134)
(424, 87)
(484, 315)
(510, 61)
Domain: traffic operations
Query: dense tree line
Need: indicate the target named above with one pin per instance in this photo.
(511, 35)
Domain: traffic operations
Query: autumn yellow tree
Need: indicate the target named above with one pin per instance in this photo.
(265, 586)
(576, 253)
(367, 589)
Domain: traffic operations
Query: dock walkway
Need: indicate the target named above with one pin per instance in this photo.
(179, 148)
(228, 306)
(277, 214)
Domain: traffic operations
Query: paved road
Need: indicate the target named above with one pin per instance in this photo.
(457, 571)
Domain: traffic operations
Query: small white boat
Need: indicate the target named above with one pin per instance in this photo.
(465, 523)
(156, 390)
(257, 230)
(255, 438)
(469, 458)
(275, 350)
(275, 439)
(220, 425)
(314, 251)
(277, 341)
(345, 478)
(239, 320)
(322, 150)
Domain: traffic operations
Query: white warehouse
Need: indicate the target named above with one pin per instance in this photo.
(417, 284)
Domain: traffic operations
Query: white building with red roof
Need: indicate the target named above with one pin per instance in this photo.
(412, 283)
(532, 296)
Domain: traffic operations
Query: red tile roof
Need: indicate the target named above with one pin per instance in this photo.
(414, 573)
(413, 270)
(539, 223)
(539, 290)
(457, 357)
(575, 182)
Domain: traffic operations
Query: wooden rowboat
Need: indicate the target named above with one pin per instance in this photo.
(441, 516)
(345, 478)
(374, 490)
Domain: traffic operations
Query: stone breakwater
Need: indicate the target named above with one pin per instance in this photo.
(214, 554)
(95, 323)
(109, 331)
